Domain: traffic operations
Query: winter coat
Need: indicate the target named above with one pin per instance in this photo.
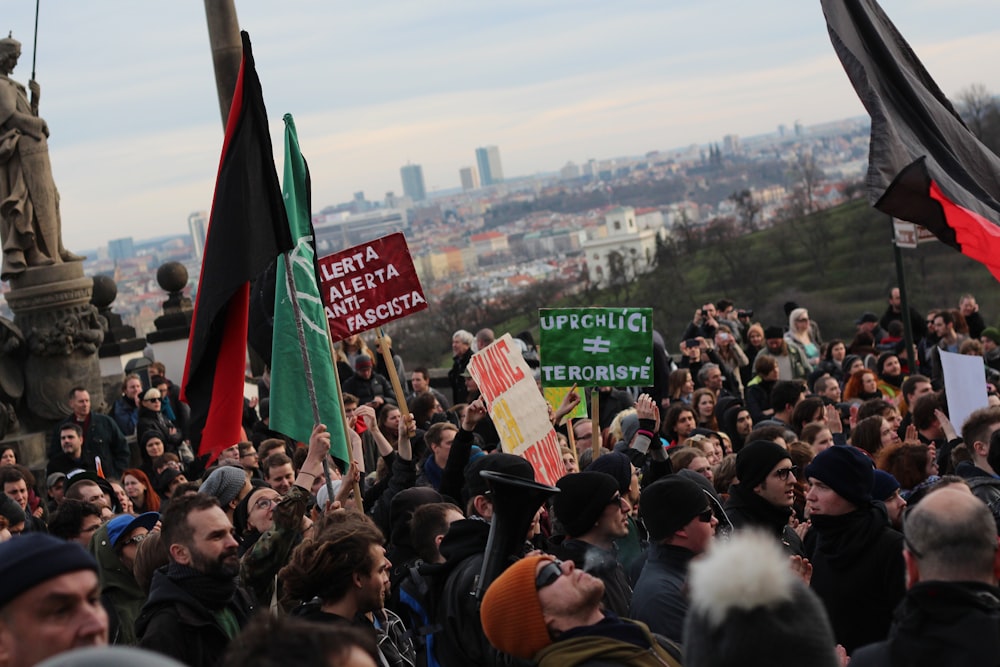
(984, 486)
(746, 509)
(659, 599)
(940, 624)
(858, 573)
(121, 596)
(605, 566)
(611, 642)
(173, 622)
(103, 438)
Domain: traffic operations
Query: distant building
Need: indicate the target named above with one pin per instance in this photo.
(338, 231)
(198, 226)
(488, 161)
(620, 234)
(120, 249)
(731, 144)
(413, 182)
(469, 177)
(569, 172)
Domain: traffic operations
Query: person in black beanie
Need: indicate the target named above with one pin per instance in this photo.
(681, 525)
(857, 558)
(36, 570)
(594, 513)
(764, 494)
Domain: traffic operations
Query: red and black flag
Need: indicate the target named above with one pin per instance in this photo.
(247, 229)
(925, 166)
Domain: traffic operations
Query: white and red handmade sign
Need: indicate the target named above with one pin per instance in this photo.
(369, 285)
(518, 410)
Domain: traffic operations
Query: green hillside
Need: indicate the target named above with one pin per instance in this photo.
(838, 263)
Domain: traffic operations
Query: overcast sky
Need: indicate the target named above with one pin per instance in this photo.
(128, 88)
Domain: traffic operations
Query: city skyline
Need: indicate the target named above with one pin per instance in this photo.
(136, 131)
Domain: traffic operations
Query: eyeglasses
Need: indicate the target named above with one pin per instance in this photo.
(706, 515)
(802, 319)
(152, 400)
(617, 500)
(136, 539)
(785, 472)
(548, 574)
(266, 503)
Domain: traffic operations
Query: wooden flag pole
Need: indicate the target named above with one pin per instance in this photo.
(390, 368)
(572, 440)
(356, 456)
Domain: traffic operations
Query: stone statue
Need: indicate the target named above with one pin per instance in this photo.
(30, 227)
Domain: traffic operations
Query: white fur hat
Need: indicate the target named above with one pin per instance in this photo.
(749, 608)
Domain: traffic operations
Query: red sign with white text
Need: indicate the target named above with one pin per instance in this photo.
(369, 285)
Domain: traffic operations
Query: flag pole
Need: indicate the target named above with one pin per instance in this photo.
(356, 456)
(572, 440)
(904, 304)
(306, 365)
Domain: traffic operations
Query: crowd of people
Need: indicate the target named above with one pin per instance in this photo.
(773, 498)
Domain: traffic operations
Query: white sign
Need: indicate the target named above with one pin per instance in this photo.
(965, 384)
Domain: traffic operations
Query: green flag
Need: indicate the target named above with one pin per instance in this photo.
(292, 363)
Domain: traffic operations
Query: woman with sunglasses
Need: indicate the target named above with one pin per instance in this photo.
(765, 494)
(151, 418)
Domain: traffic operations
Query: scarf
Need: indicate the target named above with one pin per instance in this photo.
(211, 591)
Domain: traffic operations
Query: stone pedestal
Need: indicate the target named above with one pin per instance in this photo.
(170, 340)
(62, 332)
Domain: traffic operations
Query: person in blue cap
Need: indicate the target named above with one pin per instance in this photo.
(114, 546)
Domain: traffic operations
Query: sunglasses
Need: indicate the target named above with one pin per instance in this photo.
(152, 400)
(548, 574)
(706, 515)
(785, 472)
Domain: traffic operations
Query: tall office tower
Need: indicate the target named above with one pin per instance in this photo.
(470, 178)
(120, 249)
(413, 182)
(488, 160)
(198, 226)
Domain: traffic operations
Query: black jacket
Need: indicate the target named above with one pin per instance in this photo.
(605, 566)
(103, 438)
(984, 486)
(173, 622)
(940, 624)
(746, 509)
(660, 597)
(858, 573)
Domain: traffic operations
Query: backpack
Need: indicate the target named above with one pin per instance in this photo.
(418, 595)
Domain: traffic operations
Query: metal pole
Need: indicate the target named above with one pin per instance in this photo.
(34, 48)
(904, 303)
(227, 50)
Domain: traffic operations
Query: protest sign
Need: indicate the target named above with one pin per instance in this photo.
(554, 397)
(965, 383)
(369, 285)
(596, 347)
(517, 408)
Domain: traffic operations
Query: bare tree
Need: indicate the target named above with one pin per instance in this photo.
(807, 174)
(747, 209)
(975, 103)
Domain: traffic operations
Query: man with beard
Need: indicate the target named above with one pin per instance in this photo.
(195, 606)
(548, 611)
(342, 577)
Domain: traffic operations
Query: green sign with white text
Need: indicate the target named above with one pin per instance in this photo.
(596, 347)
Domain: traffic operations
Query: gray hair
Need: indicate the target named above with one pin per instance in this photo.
(704, 371)
(464, 336)
(953, 537)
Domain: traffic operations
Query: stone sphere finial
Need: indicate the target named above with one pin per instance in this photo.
(172, 276)
(105, 292)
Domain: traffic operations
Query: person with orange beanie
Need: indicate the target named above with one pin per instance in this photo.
(548, 611)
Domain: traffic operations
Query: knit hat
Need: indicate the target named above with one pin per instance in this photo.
(617, 465)
(745, 601)
(242, 512)
(991, 333)
(669, 504)
(363, 361)
(774, 332)
(582, 499)
(10, 510)
(33, 558)
(848, 361)
(846, 470)
(885, 486)
(511, 613)
(225, 483)
(756, 461)
(476, 485)
(122, 525)
(164, 479)
(866, 316)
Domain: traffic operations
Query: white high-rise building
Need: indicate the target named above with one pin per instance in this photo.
(469, 177)
(488, 161)
(198, 226)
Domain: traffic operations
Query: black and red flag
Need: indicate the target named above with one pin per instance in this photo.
(925, 166)
(247, 229)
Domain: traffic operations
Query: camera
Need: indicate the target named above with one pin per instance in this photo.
(744, 313)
